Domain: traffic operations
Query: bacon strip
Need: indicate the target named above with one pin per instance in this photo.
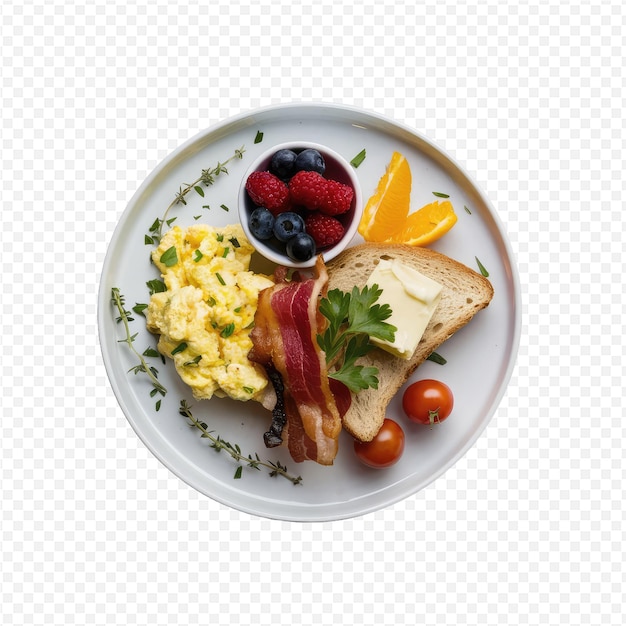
(285, 338)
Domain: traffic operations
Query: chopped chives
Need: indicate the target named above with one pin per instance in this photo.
(436, 358)
(228, 330)
(358, 159)
(179, 348)
(481, 267)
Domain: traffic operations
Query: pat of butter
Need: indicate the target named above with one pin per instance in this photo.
(413, 299)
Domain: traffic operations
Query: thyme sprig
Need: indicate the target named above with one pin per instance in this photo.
(125, 318)
(219, 444)
(206, 178)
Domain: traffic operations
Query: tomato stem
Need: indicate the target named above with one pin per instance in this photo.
(434, 416)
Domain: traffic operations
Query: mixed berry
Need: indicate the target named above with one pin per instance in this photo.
(296, 205)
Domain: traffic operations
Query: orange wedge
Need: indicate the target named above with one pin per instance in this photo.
(387, 210)
(426, 224)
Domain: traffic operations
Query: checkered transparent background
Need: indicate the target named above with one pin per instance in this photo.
(527, 527)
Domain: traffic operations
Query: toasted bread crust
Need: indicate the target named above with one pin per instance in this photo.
(465, 292)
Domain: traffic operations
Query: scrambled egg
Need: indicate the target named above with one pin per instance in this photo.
(205, 316)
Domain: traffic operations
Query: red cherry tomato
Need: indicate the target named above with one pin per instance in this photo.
(385, 449)
(428, 401)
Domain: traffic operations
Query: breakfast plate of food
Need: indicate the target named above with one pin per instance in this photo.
(309, 312)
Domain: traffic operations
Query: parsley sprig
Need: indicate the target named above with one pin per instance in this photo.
(352, 319)
(219, 444)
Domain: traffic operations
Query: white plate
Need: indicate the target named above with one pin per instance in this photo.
(480, 357)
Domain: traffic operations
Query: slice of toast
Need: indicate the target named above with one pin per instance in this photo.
(464, 293)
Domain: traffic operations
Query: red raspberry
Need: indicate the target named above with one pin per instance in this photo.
(339, 199)
(268, 191)
(325, 230)
(308, 189)
(315, 192)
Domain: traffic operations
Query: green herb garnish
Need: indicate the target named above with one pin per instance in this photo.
(169, 258)
(436, 358)
(353, 318)
(197, 255)
(259, 137)
(220, 279)
(124, 318)
(481, 267)
(440, 195)
(154, 229)
(227, 331)
(206, 178)
(219, 444)
(156, 286)
(358, 159)
(179, 348)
